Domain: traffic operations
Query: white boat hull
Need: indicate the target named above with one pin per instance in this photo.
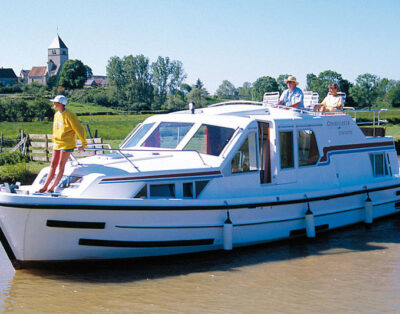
(61, 233)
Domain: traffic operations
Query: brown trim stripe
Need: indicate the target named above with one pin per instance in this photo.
(328, 149)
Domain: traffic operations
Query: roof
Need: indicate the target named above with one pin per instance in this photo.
(90, 82)
(57, 43)
(37, 71)
(7, 73)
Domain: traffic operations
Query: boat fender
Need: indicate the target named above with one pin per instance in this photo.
(228, 233)
(369, 210)
(310, 225)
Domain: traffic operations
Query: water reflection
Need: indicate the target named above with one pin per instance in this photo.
(353, 269)
(6, 276)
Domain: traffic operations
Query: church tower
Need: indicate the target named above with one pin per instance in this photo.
(57, 55)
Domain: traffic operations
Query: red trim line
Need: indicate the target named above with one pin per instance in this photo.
(177, 175)
(326, 150)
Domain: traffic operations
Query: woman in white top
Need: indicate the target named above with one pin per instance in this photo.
(332, 102)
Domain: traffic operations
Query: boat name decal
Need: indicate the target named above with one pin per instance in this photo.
(338, 123)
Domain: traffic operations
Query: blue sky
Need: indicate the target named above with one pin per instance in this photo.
(215, 39)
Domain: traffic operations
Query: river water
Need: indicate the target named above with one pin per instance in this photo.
(351, 270)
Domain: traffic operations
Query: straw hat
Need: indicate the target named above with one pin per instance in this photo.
(291, 78)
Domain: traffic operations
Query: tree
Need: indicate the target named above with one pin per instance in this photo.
(281, 82)
(131, 79)
(167, 77)
(393, 95)
(365, 91)
(115, 74)
(89, 72)
(52, 82)
(199, 84)
(244, 91)
(321, 82)
(175, 101)
(73, 74)
(40, 109)
(198, 96)
(186, 88)
(227, 90)
(262, 85)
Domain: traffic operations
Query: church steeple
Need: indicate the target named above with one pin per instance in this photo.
(57, 54)
(57, 43)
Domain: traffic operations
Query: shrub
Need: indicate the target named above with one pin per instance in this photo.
(10, 89)
(14, 173)
(12, 158)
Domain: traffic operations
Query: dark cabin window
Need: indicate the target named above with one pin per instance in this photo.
(308, 149)
(286, 149)
(162, 190)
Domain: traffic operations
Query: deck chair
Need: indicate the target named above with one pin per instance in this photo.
(271, 98)
(307, 100)
(343, 95)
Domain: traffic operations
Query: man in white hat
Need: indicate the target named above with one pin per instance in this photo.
(293, 96)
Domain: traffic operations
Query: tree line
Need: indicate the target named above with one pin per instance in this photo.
(368, 90)
(137, 84)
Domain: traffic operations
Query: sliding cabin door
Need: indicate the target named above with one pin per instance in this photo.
(264, 152)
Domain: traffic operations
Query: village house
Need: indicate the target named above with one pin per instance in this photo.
(7, 77)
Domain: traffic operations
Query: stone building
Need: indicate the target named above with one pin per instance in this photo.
(57, 55)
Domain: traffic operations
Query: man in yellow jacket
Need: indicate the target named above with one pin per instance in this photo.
(65, 128)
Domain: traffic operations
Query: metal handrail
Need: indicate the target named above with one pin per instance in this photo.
(122, 150)
(374, 120)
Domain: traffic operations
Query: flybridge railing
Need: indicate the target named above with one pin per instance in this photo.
(376, 116)
(236, 102)
(374, 128)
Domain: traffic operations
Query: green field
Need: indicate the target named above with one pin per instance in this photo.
(114, 127)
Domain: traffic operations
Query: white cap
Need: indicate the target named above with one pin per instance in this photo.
(61, 99)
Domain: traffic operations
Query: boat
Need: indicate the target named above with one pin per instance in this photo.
(233, 174)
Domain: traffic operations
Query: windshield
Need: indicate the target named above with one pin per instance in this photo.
(138, 135)
(210, 139)
(167, 135)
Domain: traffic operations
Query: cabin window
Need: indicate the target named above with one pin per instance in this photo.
(379, 164)
(210, 139)
(286, 149)
(162, 190)
(308, 149)
(138, 135)
(167, 135)
(264, 152)
(200, 185)
(142, 193)
(245, 159)
(188, 190)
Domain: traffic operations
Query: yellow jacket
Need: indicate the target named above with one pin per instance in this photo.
(65, 128)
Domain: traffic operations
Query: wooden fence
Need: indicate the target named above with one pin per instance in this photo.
(40, 147)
